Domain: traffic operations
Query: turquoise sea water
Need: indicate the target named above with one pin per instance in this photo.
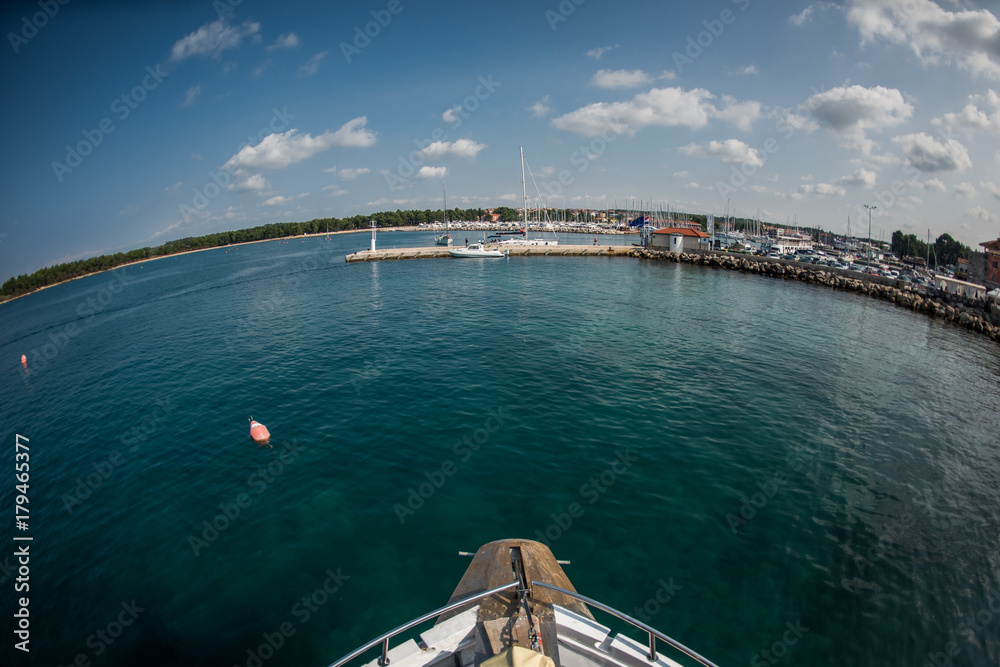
(797, 457)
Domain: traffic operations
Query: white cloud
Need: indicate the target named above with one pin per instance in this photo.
(862, 178)
(349, 174)
(231, 213)
(681, 174)
(310, 66)
(277, 151)
(541, 108)
(281, 199)
(965, 190)
(749, 69)
(740, 114)
(449, 115)
(443, 150)
(247, 182)
(935, 184)
(821, 189)
(806, 14)
(992, 188)
(850, 111)
(663, 107)
(600, 51)
(212, 39)
(981, 214)
(289, 41)
(972, 117)
(428, 172)
(263, 67)
(926, 154)
(850, 108)
(335, 190)
(620, 78)
(731, 151)
(968, 38)
(193, 93)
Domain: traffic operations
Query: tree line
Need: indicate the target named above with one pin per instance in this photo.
(50, 275)
(943, 252)
(946, 249)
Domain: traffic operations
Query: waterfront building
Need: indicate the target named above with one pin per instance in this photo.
(992, 272)
(679, 239)
(961, 287)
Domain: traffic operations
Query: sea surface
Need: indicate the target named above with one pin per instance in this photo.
(770, 472)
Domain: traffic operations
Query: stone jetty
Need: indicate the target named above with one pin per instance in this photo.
(516, 251)
(964, 312)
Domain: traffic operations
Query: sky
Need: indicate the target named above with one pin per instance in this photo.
(130, 124)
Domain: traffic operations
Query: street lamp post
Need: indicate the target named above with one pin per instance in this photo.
(870, 207)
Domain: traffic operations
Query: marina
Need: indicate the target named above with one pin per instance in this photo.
(512, 251)
(418, 409)
(720, 387)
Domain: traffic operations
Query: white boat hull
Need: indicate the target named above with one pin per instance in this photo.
(475, 250)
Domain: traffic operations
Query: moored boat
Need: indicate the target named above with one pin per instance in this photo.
(444, 239)
(475, 250)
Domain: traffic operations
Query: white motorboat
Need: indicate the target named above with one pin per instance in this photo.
(515, 606)
(475, 250)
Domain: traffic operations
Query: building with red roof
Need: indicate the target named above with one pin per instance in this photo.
(679, 239)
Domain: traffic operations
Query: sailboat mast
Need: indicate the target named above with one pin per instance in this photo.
(445, 193)
(524, 193)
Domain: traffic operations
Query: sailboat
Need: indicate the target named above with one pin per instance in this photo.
(524, 240)
(444, 239)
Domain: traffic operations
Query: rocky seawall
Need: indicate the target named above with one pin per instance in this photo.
(964, 312)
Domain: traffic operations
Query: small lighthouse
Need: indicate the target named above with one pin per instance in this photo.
(373, 235)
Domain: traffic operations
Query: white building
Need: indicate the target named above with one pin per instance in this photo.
(679, 239)
(955, 286)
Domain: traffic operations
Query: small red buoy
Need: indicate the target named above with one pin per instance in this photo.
(24, 361)
(259, 432)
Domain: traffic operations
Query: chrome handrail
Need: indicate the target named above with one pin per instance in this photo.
(384, 639)
(653, 632)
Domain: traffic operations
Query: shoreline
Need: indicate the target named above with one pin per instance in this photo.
(188, 252)
(958, 310)
(405, 228)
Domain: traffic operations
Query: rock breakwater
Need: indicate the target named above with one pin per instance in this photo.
(964, 312)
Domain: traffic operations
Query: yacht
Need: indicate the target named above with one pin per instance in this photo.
(524, 240)
(444, 239)
(476, 250)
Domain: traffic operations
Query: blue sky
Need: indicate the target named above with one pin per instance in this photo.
(132, 124)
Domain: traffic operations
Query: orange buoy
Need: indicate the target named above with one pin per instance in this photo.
(259, 432)
(24, 361)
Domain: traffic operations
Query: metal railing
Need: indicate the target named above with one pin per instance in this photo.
(654, 634)
(384, 639)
